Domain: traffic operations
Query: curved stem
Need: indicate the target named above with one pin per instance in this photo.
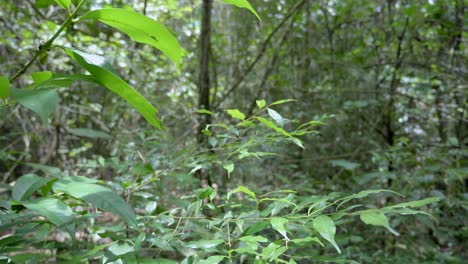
(46, 46)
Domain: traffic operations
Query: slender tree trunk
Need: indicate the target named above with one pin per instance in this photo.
(204, 77)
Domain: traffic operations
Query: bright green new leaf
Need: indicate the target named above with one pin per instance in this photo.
(271, 125)
(242, 4)
(283, 101)
(235, 113)
(89, 133)
(253, 239)
(278, 224)
(64, 3)
(100, 69)
(242, 189)
(40, 101)
(260, 103)
(377, 219)
(140, 28)
(99, 196)
(212, 260)
(326, 228)
(39, 77)
(4, 87)
(229, 167)
(55, 210)
(27, 185)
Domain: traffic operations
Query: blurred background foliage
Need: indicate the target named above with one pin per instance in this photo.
(390, 77)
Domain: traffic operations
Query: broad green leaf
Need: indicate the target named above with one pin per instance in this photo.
(235, 113)
(255, 228)
(242, 189)
(242, 4)
(260, 103)
(205, 244)
(40, 101)
(97, 195)
(417, 203)
(89, 133)
(377, 219)
(325, 226)
(229, 167)
(276, 116)
(138, 241)
(307, 240)
(273, 251)
(64, 3)
(53, 209)
(278, 224)
(4, 87)
(212, 260)
(27, 185)
(99, 68)
(39, 77)
(140, 28)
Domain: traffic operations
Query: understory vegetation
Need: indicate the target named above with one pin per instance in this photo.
(233, 131)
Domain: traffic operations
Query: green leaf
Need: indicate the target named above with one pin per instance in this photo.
(212, 260)
(271, 125)
(307, 240)
(260, 103)
(204, 111)
(205, 244)
(4, 87)
(345, 164)
(27, 185)
(53, 209)
(40, 101)
(99, 196)
(242, 189)
(377, 219)
(363, 194)
(64, 3)
(138, 241)
(89, 133)
(229, 167)
(140, 28)
(417, 203)
(235, 113)
(273, 251)
(278, 224)
(39, 77)
(100, 69)
(283, 101)
(253, 239)
(276, 116)
(242, 4)
(326, 228)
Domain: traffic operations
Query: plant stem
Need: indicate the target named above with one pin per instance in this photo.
(46, 46)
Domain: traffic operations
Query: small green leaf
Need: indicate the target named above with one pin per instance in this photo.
(235, 113)
(140, 28)
(97, 195)
(39, 77)
(242, 189)
(417, 203)
(205, 244)
(307, 240)
(283, 101)
(89, 133)
(242, 4)
(100, 69)
(271, 125)
(377, 219)
(204, 111)
(254, 239)
(40, 101)
(58, 212)
(212, 260)
(260, 103)
(278, 224)
(64, 3)
(326, 228)
(229, 167)
(27, 185)
(276, 116)
(4, 87)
